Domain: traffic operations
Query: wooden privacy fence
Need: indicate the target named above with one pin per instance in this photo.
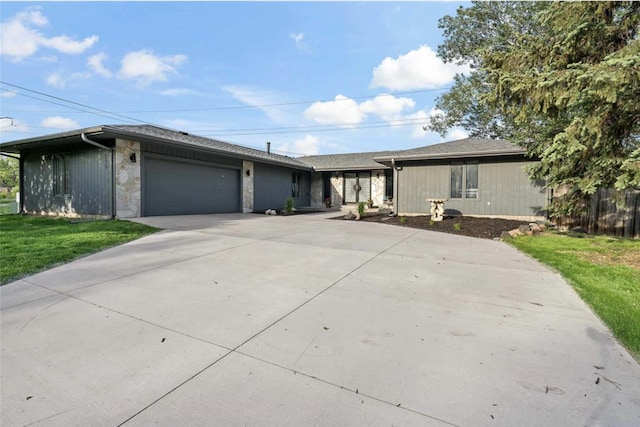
(605, 217)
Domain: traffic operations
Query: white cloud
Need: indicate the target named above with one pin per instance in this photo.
(58, 122)
(341, 111)
(146, 67)
(95, 62)
(306, 146)
(261, 99)
(56, 80)
(60, 81)
(418, 69)
(297, 38)
(387, 107)
(65, 44)
(5, 94)
(457, 133)
(20, 37)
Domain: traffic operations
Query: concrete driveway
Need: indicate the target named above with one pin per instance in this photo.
(234, 320)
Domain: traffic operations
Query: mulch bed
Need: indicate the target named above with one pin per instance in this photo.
(485, 228)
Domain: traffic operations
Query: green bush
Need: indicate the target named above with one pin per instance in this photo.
(289, 206)
(361, 209)
(457, 226)
(403, 219)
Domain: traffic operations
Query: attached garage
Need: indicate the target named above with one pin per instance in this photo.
(179, 187)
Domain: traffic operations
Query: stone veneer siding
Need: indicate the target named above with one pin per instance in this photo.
(337, 184)
(247, 187)
(128, 200)
(316, 189)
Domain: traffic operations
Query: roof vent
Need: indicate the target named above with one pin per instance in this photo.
(184, 133)
(268, 147)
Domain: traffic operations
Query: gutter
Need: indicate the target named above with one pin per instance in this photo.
(84, 137)
(439, 156)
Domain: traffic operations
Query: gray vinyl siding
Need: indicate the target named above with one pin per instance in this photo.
(89, 182)
(272, 187)
(504, 188)
(201, 156)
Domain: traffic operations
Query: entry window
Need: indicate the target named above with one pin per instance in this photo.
(295, 185)
(60, 175)
(388, 184)
(464, 180)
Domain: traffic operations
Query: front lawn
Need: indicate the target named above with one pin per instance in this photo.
(29, 244)
(605, 272)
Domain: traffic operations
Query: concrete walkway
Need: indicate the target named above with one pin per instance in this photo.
(234, 320)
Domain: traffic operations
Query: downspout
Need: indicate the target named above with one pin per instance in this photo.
(113, 187)
(395, 186)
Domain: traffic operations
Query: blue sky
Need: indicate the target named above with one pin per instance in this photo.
(310, 77)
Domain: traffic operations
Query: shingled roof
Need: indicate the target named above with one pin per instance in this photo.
(155, 134)
(348, 161)
(468, 147)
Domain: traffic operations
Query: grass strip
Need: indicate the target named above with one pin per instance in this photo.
(604, 271)
(29, 244)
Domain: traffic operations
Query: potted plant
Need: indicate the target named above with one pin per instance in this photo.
(370, 203)
(327, 202)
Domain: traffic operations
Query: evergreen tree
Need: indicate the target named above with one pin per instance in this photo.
(565, 86)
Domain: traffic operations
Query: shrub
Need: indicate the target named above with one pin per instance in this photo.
(403, 219)
(361, 209)
(289, 206)
(457, 226)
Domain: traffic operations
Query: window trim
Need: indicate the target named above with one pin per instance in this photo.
(60, 175)
(464, 182)
(295, 184)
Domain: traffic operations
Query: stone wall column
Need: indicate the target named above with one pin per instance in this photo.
(337, 181)
(128, 200)
(317, 198)
(247, 186)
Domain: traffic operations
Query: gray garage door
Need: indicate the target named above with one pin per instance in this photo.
(182, 188)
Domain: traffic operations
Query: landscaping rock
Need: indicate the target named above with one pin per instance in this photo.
(578, 229)
(515, 232)
(384, 211)
(505, 235)
(350, 216)
(357, 216)
(535, 227)
(524, 228)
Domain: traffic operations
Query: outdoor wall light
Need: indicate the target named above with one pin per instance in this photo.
(132, 157)
(248, 172)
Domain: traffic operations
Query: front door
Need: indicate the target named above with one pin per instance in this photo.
(357, 187)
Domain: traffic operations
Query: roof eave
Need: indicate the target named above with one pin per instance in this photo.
(19, 145)
(442, 156)
(350, 168)
(149, 138)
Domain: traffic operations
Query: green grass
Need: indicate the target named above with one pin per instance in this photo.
(604, 271)
(30, 244)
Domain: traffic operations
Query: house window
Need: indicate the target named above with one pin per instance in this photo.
(464, 180)
(388, 184)
(295, 185)
(60, 175)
